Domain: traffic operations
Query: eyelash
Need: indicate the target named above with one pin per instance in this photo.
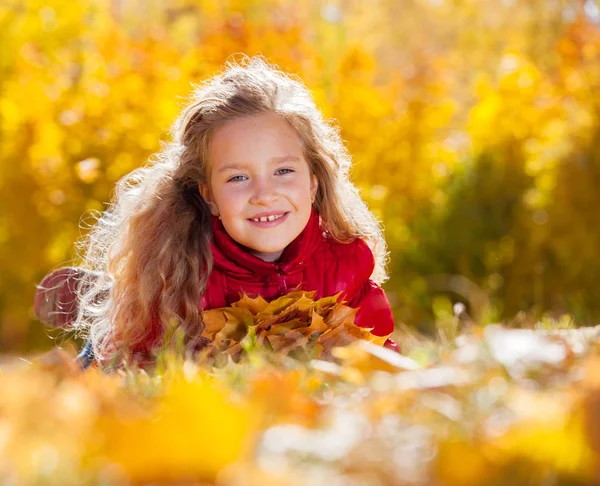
(233, 178)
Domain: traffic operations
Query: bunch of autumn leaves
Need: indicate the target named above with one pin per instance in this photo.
(294, 324)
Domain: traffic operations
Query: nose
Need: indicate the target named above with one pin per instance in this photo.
(264, 192)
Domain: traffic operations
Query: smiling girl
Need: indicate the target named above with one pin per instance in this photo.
(252, 195)
(260, 184)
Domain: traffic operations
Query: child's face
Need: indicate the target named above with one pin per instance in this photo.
(257, 166)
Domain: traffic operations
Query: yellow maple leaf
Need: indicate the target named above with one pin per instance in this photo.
(254, 305)
(339, 315)
(289, 323)
(214, 320)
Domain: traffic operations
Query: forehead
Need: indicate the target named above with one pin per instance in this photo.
(253, 139)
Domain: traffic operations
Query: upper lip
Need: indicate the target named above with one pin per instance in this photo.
(267, 214)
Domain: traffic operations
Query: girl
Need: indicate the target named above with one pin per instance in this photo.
(251, 195)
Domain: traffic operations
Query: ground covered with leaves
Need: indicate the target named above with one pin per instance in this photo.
(295, 394)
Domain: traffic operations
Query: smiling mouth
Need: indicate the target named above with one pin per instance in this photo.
(264, 219)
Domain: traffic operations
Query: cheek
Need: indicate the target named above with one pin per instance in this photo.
(221, 191)
(230, 198)
(300, 189)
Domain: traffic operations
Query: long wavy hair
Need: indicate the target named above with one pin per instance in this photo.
(148, 255)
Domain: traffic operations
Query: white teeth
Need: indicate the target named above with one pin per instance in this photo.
(268, 218)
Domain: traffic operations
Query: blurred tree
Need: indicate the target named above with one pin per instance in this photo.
(474, 130)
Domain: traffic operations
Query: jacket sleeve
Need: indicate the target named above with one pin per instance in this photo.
(374, 310)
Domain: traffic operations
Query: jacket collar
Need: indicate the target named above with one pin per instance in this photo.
(233, 258)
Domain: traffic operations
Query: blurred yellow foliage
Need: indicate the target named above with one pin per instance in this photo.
(192, 432)
(471, 126)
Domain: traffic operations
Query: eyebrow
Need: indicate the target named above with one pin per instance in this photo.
(277, 160)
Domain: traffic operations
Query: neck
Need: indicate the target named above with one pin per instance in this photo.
(267, 257)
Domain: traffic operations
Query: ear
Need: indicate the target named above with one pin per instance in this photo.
(314, 185)
(206, 195)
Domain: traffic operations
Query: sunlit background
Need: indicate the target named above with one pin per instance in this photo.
(474, 128)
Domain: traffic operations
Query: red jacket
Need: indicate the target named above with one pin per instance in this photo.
(313, 261)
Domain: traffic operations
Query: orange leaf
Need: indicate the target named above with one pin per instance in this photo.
(278, 305)
(280, 343)
(255, 305)
(327, 303)
(317, 325)
(335, 337)
(239, 315)
(340, 315)
(214, 320)
(236, 328)
(281, 329)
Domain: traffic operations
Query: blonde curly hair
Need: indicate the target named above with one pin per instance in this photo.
(149, 253)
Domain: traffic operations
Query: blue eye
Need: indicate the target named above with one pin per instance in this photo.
(235, 179)
(290, 170)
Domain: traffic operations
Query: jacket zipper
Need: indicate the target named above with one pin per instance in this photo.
(282, 281)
